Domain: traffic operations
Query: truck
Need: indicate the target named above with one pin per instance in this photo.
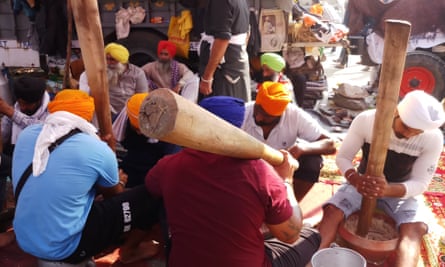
(142, 40)
(425, 60)
(424, 68)
(16, 27)
(143, 35)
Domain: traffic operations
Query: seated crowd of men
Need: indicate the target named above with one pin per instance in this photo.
(213, 208)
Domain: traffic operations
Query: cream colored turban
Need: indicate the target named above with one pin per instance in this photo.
(421, 111)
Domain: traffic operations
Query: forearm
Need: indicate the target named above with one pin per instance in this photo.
(289, 230)
(108, 192)
(7, 110)
(320, 147)
(116, 189)
(293, 201)
(217, 52)
(23, 120)
(351, 176)
(380, 189)
(395, 190)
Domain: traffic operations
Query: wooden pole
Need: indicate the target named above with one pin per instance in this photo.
(87, 19)
(394, 53)
(169, 117)
(67, 75)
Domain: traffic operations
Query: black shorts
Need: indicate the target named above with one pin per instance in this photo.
(310, 167)
(299, 253)
(109, 219)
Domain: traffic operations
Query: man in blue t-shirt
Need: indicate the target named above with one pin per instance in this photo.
(61, 190)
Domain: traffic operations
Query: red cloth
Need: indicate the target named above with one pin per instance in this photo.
(215, 207)
(171, 47)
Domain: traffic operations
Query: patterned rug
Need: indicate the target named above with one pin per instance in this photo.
(434, 242)
(433, 249)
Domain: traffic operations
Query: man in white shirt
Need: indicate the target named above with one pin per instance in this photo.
(415, 145)
(30, 108)
(283, 125)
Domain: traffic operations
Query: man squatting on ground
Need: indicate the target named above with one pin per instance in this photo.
(283, 125)
(415, 145)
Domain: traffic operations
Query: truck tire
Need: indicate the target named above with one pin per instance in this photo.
(425, 71)
(143, 46)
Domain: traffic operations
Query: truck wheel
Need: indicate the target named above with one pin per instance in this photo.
(424, 71)
(143, 46)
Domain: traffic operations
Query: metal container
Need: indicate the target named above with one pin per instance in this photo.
(337, 257)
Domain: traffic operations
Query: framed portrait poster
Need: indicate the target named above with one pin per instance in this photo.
(273, 28)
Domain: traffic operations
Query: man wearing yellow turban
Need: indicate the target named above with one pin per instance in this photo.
(65, 179)
(124, 78)
(275, 121)
(117, 52)
(142, 152)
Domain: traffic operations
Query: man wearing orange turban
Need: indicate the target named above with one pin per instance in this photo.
(67, 179)
(142, 152)
(275, 121)
(166, 72)
(124, 78)
(74, 101)
(133, 106)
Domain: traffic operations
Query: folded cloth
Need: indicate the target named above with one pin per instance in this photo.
(56, 125)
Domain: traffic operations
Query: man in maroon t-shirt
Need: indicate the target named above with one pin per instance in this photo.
(216, 205)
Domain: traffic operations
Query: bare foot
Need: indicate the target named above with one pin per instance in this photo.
(144, 250)
(6, 238)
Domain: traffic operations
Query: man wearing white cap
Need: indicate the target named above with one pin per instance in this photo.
(413, 153)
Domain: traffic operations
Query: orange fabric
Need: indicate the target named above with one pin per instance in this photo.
(273, 97)
(73, 101)
(316, 9)
(309, 20)
(133, 106)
